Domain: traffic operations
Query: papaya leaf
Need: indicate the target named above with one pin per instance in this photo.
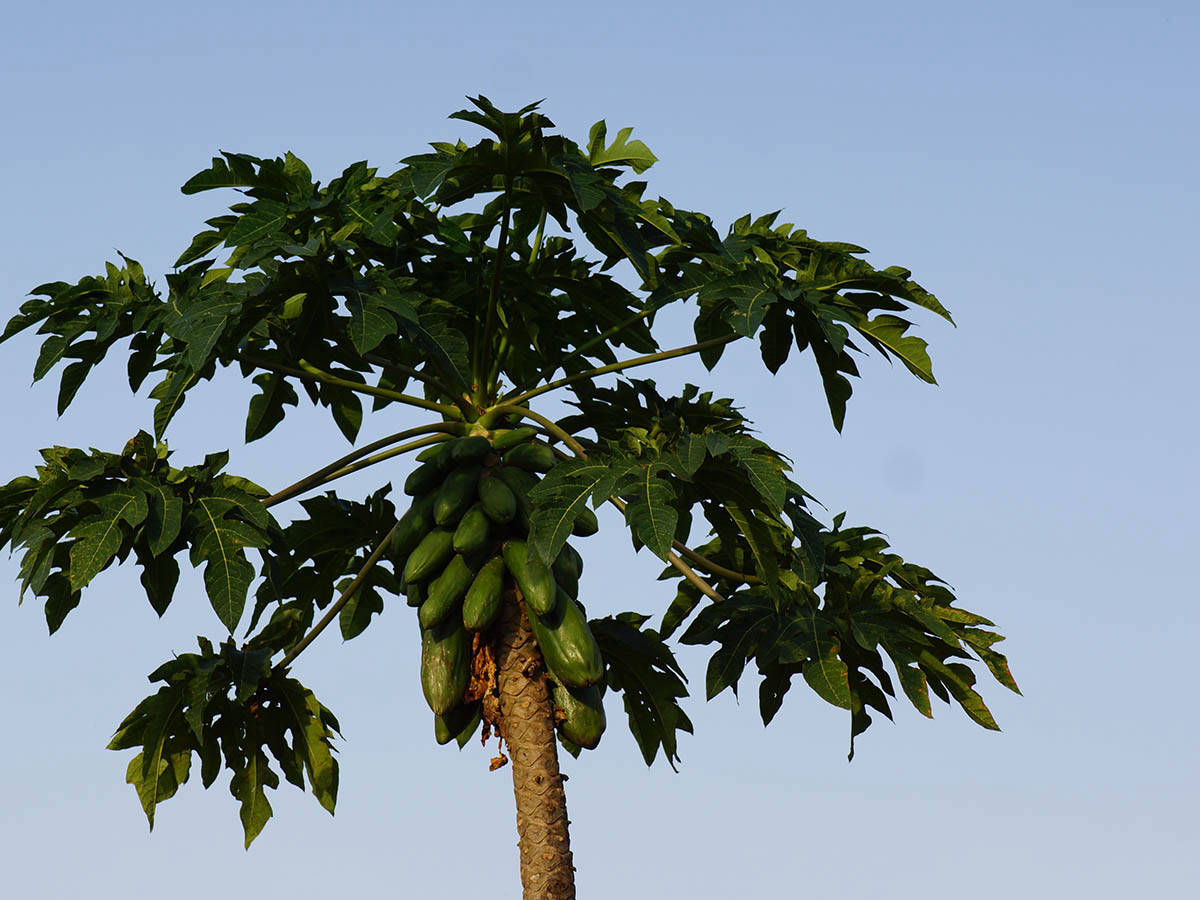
(643, 669)
(311, 738)
(248, 786)
(100, 537)
(564, 493)
(650, 511)
(621, 152)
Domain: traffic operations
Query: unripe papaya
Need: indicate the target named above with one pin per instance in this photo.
(586, 523)
(438, 454)
(566, 569)
(411, 528)
(414, 594)
(455, 495)
(458, 724)
(445, 664)
(497, 500)
(430, 556)
(521, 483)
(484, 596)
(472, 532)
(423, 478)
(469, 449)
(533, 577)
(519, 480)
(506, 439)
(445, 592)
(584, 711)
(532, 457)
(568, 646)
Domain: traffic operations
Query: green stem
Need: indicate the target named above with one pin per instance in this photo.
(380, 457)
(619, 366)
(431, 380)
(326, 378)
(319, 477)
(605, 335)
(497, 363)
(482, 345)
(700, 559)
(537, 241)
(549, 424)
(311, 372)
(332, 612)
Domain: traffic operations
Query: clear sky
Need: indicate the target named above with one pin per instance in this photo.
(1034, 164)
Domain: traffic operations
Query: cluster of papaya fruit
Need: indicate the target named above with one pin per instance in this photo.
(460, 546)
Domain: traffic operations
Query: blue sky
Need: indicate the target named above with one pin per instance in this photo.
(1033, 164)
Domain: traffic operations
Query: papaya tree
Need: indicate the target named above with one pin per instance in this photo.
(453, 298)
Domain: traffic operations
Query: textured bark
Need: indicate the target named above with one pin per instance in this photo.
(526, 722)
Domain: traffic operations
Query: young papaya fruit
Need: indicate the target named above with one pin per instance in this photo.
(423, 478)
(445, 664)
(506, 439)
(566, 573)
(429, 557)
(458, 724)
(469, 449)
(531, 456)
(586, 523)
(411, 528)
(497, 500)
(473, 531)
(584, 712)
(455, 495)
(568, 646)
(414, 594)
(438, 454)
(484, 596)
(533, 577)
(445, 592)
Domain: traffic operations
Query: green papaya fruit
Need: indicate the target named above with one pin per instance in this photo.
(520, 483)
(469, 449)
(532, 457)
(484, 596)
(411, 528)
(533, 577)
(586, 523)
(473, 531)
(568, 646)
(445, 592)
(455, 495)
(497, 499)
(567, 568)
(458, 724)
(438, 454)
(429, 557)
(584, 711)
(506, 439)
(414, 594)
(445, 664)
(423, 478)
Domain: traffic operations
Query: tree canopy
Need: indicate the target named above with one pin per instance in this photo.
(460, 288)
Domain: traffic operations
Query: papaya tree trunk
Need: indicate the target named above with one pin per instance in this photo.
(526, 715)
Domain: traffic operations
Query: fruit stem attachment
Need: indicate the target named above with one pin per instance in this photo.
(549, 424)
(336, 608)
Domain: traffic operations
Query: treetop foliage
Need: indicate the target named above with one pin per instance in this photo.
(464, 285)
